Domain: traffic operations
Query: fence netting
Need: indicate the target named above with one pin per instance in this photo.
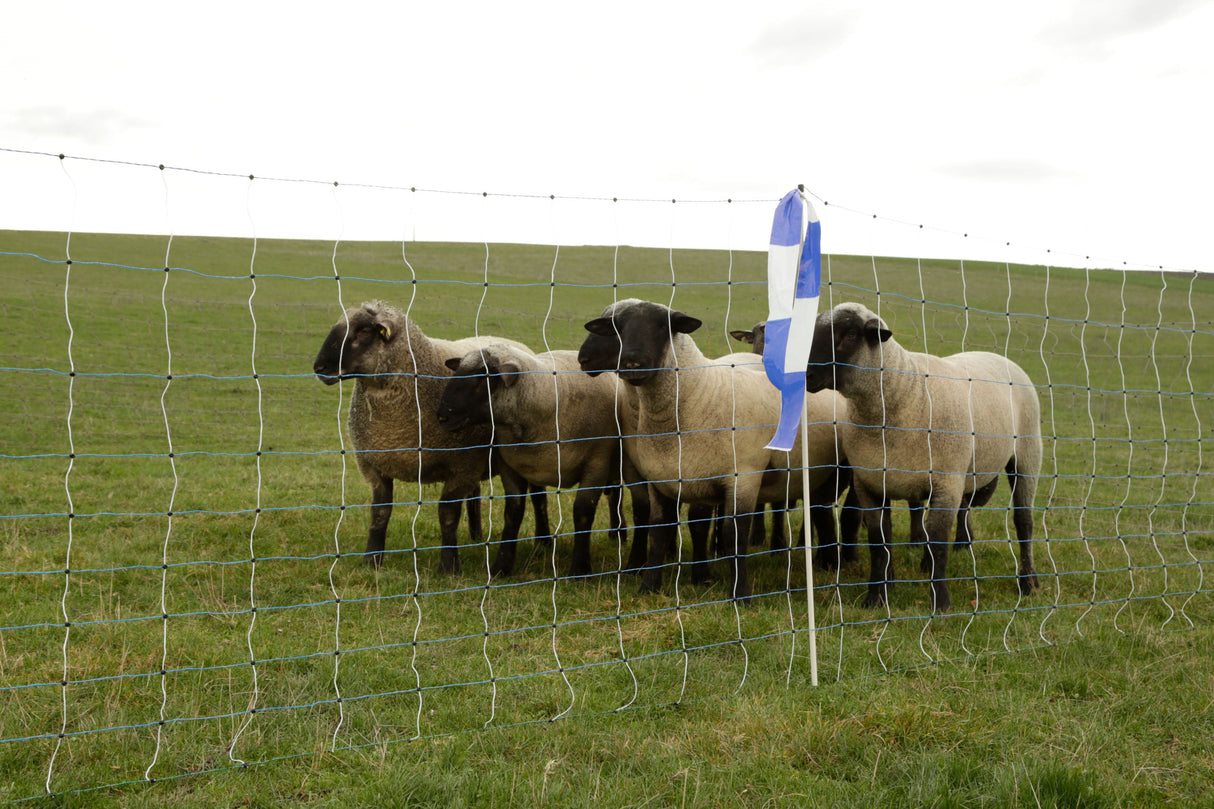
(184, 519)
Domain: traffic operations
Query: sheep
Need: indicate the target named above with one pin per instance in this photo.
(755, 337)
(601, 353)
(398, 376)
(700, 426)
(553, 426)
(928, 429)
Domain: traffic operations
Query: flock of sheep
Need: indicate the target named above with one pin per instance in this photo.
(640, 407)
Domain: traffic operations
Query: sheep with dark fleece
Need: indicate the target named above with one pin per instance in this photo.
(398, 375)
(553, 426)
(928, 429)
(701, 427)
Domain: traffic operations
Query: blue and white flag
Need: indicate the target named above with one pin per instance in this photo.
(794, 278)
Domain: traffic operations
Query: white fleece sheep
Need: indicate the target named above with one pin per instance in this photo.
(399, 375)
(701, 427)
(829, 558)
(553, 426)
(928, 429)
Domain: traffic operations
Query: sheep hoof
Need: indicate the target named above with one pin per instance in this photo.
(374, 560)
(1028, 584)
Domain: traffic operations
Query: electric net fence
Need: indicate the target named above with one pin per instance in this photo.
(183, 517)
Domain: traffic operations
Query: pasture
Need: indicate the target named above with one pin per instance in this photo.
(181, 524)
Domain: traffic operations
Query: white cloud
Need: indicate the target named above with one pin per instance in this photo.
(86, 127)
(946, 112)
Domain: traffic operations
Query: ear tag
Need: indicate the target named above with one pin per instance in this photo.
(385, 332)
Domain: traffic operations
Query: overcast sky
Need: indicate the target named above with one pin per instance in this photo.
(1076, 125)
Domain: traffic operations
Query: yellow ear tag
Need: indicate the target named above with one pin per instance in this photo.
(386, 332)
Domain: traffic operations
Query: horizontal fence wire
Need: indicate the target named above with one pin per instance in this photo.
(185, 514)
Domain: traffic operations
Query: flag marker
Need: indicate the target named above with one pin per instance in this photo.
(794, 280)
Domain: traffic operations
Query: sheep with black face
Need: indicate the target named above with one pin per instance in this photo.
(701, 427)
(553, 426)
(398, 375)
(756, 338)
(923, 428)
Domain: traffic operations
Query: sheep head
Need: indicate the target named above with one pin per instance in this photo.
(847, 341)
(754, 337)
(352, 346)
(633, 338)
(467, 396)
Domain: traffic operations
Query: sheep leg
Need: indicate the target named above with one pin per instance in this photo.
(779, 537)
(880, 568)
(918, 533)
(452, 501)
(736, 527)
(449, 509)
(700, 522)
(585, 504)
(850, 521)
(1024, 489)
(758, 528)
(381, 513)
(662, 535)
(939, 524)
(975, 499)
(822, 520)
(617, 526)
(516, 491)
(639, 492)
(539, 506)
(964, 536)
(472, 507)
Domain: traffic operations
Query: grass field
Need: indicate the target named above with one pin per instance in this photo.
(180, 533)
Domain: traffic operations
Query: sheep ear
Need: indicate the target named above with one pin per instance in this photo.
(877, 331)
(684, 324)
(508, 373)
(743, 336)
(453, 363)
(601, 326)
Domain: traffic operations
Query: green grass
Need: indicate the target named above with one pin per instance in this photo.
(1099, 704)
